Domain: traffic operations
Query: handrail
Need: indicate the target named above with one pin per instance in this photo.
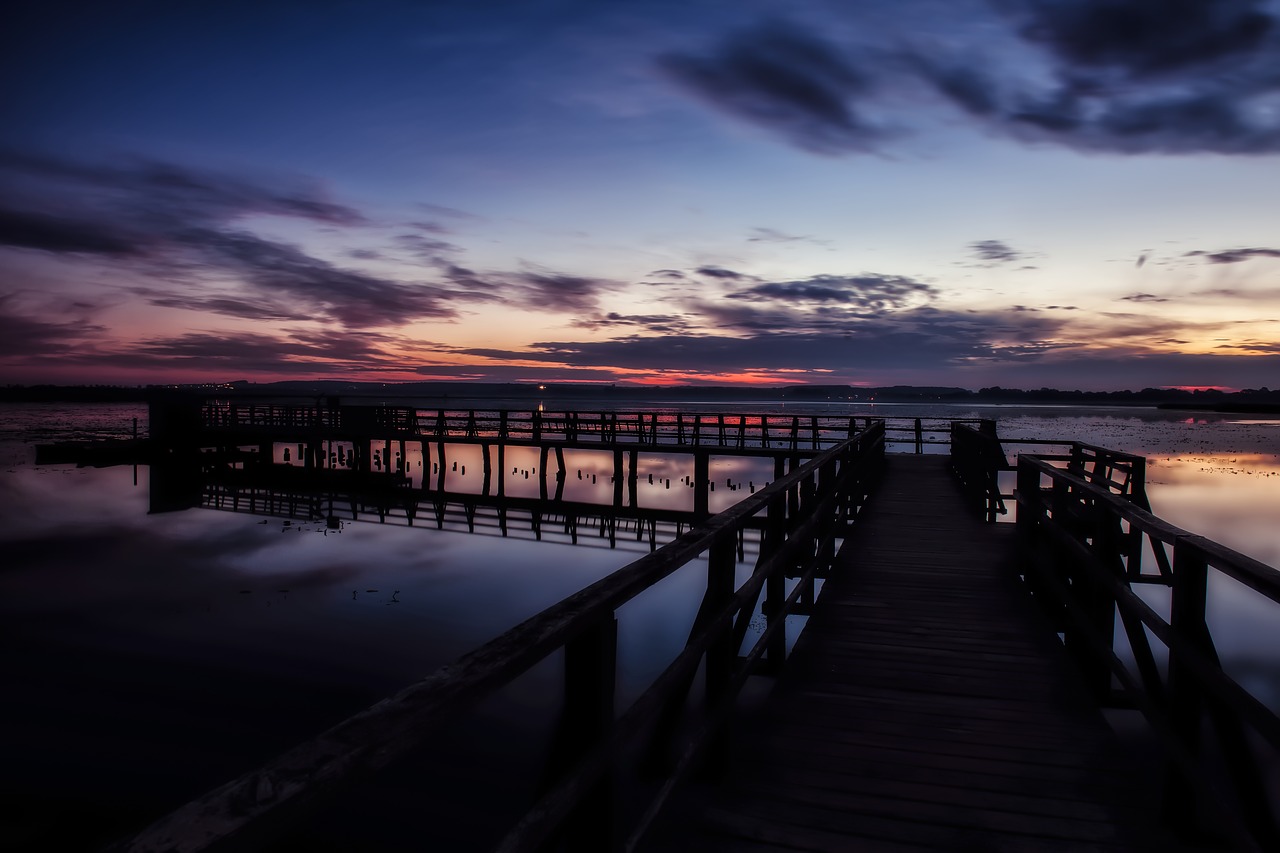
(806, 512)
(977, 459)
(1081, 547)
(780, 431)
(979, 456)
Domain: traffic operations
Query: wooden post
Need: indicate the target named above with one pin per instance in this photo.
(1099, 607)
(590, 679)
(617, 477)
(919, 436)
(722, 655)
(632, 476)
(775, 535)
(488, 468)
(502, 471)
(542, 471)
(1186, 701)
(701, 483)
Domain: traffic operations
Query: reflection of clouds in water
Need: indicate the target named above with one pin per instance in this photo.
(1214, 476)
(122, 572)
(1231, 499)
(42, 499)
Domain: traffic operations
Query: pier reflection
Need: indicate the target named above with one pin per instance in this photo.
(574, 495)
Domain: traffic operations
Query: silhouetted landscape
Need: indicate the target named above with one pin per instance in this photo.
(1254, 400)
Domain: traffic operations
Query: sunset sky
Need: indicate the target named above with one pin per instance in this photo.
(1067, 193)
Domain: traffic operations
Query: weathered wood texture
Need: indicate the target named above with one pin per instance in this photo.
(927, 707)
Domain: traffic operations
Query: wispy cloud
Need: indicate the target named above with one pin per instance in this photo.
(1127, 76)
(184, 235)
(995, 252)
(25, 335)
(1234, 256)
(786, 79)
(721, 273)
(869, 293)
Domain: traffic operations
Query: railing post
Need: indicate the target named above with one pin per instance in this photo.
(590, 678)
(919, 436)
(701, 483)
(721, 655)
(1186, 701)
(1099, 607)
(775, 535)
(1030, 501)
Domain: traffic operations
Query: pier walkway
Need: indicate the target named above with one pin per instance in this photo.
(945, 693)
(926, 705)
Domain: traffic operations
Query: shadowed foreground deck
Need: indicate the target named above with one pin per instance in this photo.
(926, 707)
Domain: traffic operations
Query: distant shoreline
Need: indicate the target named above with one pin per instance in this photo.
(1255, 402)
(1225, 408)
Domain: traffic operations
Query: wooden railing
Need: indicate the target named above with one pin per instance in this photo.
(977, 459)
(1082, 537)
(979, 456)
(805, 514)
(679, 429)
(787, 432)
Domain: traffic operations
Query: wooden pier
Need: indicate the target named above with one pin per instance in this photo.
(926, 706)
(945, 694)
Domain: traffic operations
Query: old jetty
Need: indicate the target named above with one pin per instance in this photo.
(947, 691)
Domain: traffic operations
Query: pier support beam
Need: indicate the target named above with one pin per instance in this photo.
(701, 483)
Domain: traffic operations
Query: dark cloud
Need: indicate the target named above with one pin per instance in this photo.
(672, 275)
(152, 191)
(786, 80)
(1134, 76)
(962, 83)
(920, 338)
(870, 292)
(59, 234)
(427, 249)
(23, 335)
(557, 292)
(720, 272)
(995, 252)
(655, 323)
(179, 227)
(538, 290)
(1144, 297)
(228, 306)
(310, 286)
(1265, 295)
(1146, 37)
(179, 231)
(1126, 76)
(1235, 256)
(296, 352)
(770, 235)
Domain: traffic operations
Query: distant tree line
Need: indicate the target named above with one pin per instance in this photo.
(1257, 399)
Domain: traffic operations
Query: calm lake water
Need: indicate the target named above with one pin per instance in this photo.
(149, 657)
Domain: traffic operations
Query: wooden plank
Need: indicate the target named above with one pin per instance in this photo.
(926, 705)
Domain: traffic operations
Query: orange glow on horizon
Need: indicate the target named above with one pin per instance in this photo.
(692, 378)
